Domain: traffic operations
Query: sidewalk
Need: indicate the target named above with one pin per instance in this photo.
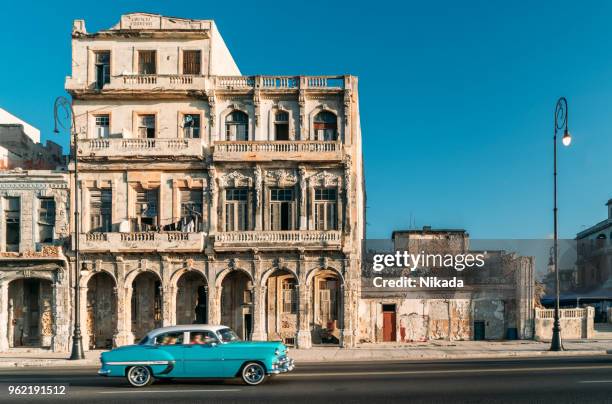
(432, 350)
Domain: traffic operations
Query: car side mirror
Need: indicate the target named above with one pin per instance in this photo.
(214, 344)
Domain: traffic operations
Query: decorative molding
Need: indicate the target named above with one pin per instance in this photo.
(235, 179)
(281, 177)
(324, 179)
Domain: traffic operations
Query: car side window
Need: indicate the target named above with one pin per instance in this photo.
(169, 338)
(202, 338)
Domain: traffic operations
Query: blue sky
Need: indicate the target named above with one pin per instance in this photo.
(456, 98)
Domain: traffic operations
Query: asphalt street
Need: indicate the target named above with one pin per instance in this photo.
(544, 380)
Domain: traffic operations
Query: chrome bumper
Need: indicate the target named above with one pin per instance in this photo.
(283, 366)
(104, 372)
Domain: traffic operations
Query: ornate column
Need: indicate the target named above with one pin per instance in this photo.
(213, 199)
(302, 104)
(303, 198)
(84, 318)
(304, 337)
(348, 194)
(124, 317)
(4, 316)
(259, 313)
(258, 198)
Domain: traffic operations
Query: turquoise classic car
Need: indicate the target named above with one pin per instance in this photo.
(195, 351)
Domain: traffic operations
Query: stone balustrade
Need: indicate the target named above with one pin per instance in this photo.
(277, 150)
(141, 241)
(140, 147)
(274, 239)
(575, 323)
(199, 83)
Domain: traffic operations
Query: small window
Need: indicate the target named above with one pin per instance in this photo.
(147, 62)
(146, 209)
(102, 68)
(202, 338)
(146, 126)
(12, 220)
(102, 126)
(191, 126)
(100, 207)
(169, 338)
(326, 126)
(281, 125)
(191, 210)
(237, 126)
(289, 296)
(192, 62)
(46, 220)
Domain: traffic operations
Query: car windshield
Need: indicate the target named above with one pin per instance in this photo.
(227, 335)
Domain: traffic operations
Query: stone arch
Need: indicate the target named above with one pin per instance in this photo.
(228, 110)
(190, 296)
(271, 270)
(129, 278)
(321, 108)
(85, 279)
(100, 310)
(310, 275)
(221, 276)
(176, 275)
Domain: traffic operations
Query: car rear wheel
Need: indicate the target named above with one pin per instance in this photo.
(139, 376)
(253, 373)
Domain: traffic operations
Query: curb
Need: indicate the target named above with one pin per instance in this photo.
(340, 356)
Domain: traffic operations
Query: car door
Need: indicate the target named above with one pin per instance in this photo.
(203, 355)
(173, 344)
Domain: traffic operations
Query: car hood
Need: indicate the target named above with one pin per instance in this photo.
(258, 344)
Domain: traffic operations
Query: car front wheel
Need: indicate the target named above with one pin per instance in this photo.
(139, 376)
(253, 374)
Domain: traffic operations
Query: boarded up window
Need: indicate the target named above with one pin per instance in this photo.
(191, 62)
(237, 126)
(146, 62)
(326, 126)
(191, 126)
(102, 126)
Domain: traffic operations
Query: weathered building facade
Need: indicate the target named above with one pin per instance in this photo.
(495, 302)
(34, 276)
(211, 197)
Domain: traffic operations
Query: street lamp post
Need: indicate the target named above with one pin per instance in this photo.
(560, 123)
(61, 103)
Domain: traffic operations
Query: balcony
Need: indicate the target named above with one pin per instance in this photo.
(157, 82)
(309, 239)
(141, 241)
(112, 148)
(277, 150)
(185, 83)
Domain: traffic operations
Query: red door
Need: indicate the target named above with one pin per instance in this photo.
(389, 326)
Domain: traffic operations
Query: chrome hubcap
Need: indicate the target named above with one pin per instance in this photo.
(253, 373)
(139, 375)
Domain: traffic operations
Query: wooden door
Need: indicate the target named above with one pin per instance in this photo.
(389, 326)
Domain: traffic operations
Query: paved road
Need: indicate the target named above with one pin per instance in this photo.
(558, 380)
